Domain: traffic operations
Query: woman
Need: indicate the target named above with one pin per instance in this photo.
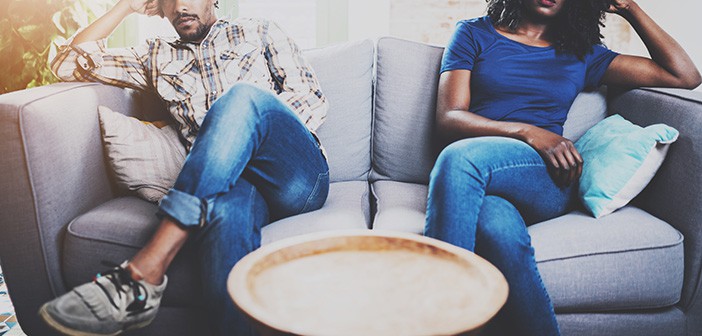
(507, 83)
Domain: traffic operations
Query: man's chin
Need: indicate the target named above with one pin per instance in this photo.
(192, 35)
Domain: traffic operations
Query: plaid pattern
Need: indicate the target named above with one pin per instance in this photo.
(190, 77)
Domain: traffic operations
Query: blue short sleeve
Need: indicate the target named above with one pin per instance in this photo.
(461, 51)
(597, 63)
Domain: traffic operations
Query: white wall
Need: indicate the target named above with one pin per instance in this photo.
(298, 18)
(368, 19)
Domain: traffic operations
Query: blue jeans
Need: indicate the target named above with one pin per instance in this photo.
(253, 162)
(483, 193)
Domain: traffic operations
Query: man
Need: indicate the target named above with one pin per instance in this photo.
(247, 104)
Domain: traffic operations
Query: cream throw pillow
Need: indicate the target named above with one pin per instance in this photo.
(145, 159)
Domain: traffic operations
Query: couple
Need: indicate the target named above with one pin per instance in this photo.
(507, 82)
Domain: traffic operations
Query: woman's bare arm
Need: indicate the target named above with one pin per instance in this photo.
(669, 65)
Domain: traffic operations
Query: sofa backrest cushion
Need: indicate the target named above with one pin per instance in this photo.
(404, 143)
(588, 109)
(405, 100)
(345, 73)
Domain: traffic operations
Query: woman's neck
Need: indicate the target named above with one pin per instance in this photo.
(534, 31)
(530, 32)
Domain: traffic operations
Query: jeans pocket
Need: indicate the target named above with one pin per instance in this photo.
(318, 195)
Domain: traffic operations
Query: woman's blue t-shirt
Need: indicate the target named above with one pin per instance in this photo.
(511, 81)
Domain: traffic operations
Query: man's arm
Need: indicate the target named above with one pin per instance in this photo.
(295, 77)
(85, 58)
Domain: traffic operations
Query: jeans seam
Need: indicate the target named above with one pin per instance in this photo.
(519, 165)
(488, 175)
(314, 191)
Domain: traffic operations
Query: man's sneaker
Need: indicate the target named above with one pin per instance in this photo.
(110, 305)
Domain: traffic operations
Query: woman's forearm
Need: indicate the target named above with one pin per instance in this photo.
(457, 124)
(662, 47)
(105, 25)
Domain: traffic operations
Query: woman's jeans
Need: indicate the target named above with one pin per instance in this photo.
(253, 162)
(482, 194)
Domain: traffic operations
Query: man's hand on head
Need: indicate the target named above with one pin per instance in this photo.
(146, 7)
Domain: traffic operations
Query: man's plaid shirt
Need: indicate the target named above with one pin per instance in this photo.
(190, 77)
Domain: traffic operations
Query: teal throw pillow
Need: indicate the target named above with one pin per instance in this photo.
(620, 160)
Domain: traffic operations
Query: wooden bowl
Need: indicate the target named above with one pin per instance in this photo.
(365, 282)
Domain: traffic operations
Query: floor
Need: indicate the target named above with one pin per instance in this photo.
(8, 320)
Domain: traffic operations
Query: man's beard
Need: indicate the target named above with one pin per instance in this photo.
(200, 32)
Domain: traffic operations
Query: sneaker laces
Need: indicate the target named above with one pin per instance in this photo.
(120, 277)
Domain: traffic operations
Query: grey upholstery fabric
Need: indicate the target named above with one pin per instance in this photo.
(347, 207)
(585, 264)
(345, 73)
(674, 193)
(400, 206)
(659, 322)
(54, 171)
(588, 109)
(117, 229)
(405, 101)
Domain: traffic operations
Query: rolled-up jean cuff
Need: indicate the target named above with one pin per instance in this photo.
(186, 209)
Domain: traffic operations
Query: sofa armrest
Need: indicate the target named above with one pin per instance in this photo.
(52, 171)
(674, 194)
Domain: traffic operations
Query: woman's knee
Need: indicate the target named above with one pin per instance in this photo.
(500, 223)
(461, 157)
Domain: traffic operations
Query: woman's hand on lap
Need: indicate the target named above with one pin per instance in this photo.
(559, 153)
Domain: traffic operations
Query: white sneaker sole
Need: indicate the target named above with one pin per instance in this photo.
(44, 313)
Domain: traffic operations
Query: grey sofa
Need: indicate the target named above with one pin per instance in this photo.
(629, 273)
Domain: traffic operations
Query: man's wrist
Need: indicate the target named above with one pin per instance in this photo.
(123, 8)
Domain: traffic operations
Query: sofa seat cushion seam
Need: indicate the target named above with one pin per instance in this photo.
(585, 255)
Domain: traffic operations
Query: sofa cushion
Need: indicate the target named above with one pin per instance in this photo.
(588, 109)
(404, 146)
(116, 230)
(144, 158)
(620, 160)
(627, 260)
(345, 73)
(405, 100)
(347, 207)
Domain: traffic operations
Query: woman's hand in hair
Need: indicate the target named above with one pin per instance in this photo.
(559, 153)
(621, 7)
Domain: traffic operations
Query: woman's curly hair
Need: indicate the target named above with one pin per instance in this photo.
(577, 27)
